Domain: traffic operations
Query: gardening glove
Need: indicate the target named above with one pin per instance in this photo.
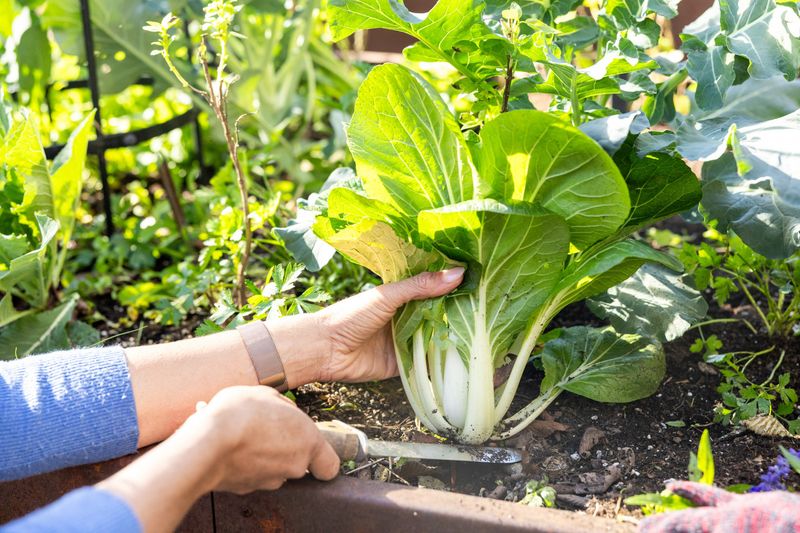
(720, 511)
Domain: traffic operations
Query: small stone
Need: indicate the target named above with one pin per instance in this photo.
(513, 469)
(498, 493)
(430, 482)
(575, 456)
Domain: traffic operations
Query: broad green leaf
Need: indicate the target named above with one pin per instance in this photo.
(654, 302)
(535, 157)
(298, 235)
(626, 13)
(756, 190)
(753, 208)
(589, 276)
(123, 48)
(375, 245)
(31, 49)
(705, 28)
(755, 101)
(346, 204)
(438, 31)
(611, 132)
(761, 33)
(37, 333)
(713, 71)
(701, 465)
(603, 365)
(704, 135)
(518, 251)
(11, 247)
(660, 185)
(408, 148)
(66, 176)
(22, 150)
(28, 275)
(300, 240)
(81, 335)
(8, 313)
(599, 79)
(563, 77)
(764, 32)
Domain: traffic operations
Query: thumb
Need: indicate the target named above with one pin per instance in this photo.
(420, 287)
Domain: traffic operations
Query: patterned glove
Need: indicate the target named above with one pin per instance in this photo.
(720, 511)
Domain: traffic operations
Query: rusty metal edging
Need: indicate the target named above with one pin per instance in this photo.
(18, 498)
(356, 506)
(308, 506)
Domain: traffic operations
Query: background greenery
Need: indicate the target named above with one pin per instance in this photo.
(726, 98)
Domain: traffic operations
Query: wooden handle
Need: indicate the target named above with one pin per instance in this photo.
(349, 443)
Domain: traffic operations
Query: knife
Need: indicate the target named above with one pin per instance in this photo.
(352, 444)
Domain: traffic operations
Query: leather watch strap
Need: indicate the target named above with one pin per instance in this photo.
(264, 355)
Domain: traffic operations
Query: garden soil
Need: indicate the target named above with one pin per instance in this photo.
(593, 454)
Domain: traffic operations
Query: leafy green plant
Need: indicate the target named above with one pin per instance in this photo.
(37, 216)
(727, 265)
(538, 212)
(743, 57)
(539, 494)
(743, 398)
(276, 298)
(216, 27)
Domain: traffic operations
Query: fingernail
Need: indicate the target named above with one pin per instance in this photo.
(452, 274)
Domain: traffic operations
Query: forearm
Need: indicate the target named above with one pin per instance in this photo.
(63, 409)
(169, 379)
(162, 485)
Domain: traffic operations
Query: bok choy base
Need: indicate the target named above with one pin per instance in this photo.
(540, 215)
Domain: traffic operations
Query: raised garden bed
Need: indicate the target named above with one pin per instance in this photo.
(310, 506)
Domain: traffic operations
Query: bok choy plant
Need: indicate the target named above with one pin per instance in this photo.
(541, 217)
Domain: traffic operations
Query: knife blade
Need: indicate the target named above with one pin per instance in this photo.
(352, 444)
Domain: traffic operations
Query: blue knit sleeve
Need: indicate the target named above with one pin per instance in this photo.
(86, 510)
(64, 409)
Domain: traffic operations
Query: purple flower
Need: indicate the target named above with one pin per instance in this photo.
(774, 477)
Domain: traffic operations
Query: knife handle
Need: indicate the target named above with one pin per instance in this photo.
(349, 443)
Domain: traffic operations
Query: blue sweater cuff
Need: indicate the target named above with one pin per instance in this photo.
(64, 409)
(86, 510)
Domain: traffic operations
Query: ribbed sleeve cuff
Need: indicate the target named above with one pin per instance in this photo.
(64, 409)
(86, 510)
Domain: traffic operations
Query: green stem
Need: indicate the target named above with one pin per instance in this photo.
(522, 418)
(725, 321)
(775, 368)
(575, 104)
(753, 357)
(752, 300)
(507, 88)
(548, 310)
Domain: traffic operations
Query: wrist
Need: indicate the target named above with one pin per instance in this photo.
(162, 485)
(304, 347)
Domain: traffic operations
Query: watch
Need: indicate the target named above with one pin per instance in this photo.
(264, 355)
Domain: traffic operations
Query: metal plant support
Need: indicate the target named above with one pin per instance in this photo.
(105, 141)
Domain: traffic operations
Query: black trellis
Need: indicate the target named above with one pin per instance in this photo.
(105, 141)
